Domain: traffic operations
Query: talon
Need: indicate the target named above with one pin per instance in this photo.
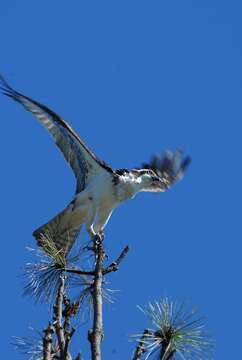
(97, 240)
(102, 235)
(99, 237)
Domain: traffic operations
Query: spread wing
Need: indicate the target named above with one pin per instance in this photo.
(81, 159)
(170, 166)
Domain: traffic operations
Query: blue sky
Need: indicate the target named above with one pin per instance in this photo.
(133, 78)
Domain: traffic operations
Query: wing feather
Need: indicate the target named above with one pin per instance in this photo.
(81, 159)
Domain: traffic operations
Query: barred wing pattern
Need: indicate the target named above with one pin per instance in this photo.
(60, 230)
(81, 159)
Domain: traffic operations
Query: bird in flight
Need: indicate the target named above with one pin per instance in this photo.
(99, 188)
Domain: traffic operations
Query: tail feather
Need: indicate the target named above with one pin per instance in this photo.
(60, 230)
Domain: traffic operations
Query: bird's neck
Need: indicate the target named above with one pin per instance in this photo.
(129, 185)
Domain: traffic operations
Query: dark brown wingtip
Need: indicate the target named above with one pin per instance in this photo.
(183, 167)
(186, 162)
(7, 90)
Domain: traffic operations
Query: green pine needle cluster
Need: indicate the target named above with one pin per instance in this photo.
(43, 276)
(50, 249)
(178, 332)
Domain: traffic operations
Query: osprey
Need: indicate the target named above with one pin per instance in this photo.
(99, 188)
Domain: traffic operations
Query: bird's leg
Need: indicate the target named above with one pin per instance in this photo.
(101, 235)
(97, 245)
(92, 235)
(99, 239)
(97, 242)
(95, 228)
(96, 238)
(100, 222)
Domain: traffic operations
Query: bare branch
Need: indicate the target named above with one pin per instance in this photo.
(115, 264)
(70, 310)
(166, 353)
(49, 272)
(47, 342)
(68, 337)
(95, 335)
(79, 272)
(141, 346)
(111, 268)
(171, 355)
(66, 314)
(58, 315)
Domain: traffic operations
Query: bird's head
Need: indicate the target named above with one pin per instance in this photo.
(149, 181)
(162, 172)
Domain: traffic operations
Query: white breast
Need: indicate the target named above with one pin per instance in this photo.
(127, 187)
(101, 190)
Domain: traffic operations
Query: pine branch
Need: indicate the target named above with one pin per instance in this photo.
(79, 272)
(95, 335)
(68, 336)
(115, 264)
(70, 309)
(140, 349)
(165, 353)
(178, 330)
(47, 280)
(171, 355)
(47, 342)
(111, 268)
(58, 315)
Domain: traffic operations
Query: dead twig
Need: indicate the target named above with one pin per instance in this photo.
(79, 272)
(115, 264)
